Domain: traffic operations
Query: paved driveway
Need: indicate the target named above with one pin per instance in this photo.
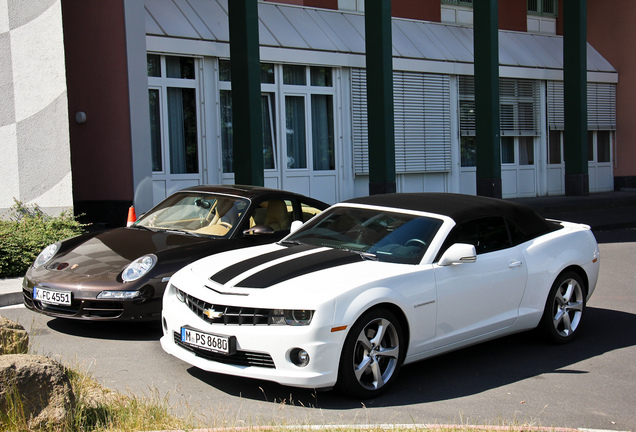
(516, 380)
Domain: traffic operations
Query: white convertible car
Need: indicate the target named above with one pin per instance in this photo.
(377, 282)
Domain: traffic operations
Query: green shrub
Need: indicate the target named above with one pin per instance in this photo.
(27, 232)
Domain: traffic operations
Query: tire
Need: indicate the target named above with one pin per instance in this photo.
(372, 355)
(564, 309)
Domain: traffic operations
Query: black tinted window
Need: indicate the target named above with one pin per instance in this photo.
(486, 234)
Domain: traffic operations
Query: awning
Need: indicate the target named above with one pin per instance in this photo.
(319, 36)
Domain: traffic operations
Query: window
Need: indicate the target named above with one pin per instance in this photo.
(519, 109)
(507, 150)
(469, 151)
(308, 211)
(519, 120)
(173, 105)
(322, 132)
(487, 234)
(603, 146)
(543, 7)
(295, 132)
(517, 150)
(275, 213)
(459, 2)
(422, 111)
(599, 146)
(294, 75)
(526, 150)
(268, 114)
(155, 129)
(308, 137)
(554, 147)
(601, 120)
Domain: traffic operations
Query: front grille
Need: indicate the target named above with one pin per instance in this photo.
(240, 358)
(231, 314)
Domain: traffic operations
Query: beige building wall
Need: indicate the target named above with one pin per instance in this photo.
(35, 161)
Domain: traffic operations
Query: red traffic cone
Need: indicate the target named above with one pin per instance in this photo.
(132, 217)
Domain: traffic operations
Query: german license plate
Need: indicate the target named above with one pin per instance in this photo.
(52, 297)
(210, 342)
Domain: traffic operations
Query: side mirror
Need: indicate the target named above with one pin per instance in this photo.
(458, 253)
(257, 230)
(295, 226)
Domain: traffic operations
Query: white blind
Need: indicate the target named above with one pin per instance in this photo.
(601, 106)
(422, 122)
(359, 120)
(519, 106)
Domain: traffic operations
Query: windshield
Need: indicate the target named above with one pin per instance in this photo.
(375, 234)
(196, 213)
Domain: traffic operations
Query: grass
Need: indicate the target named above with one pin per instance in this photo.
(98, 409)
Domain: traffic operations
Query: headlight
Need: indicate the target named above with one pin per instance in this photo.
(139, 268)
(46, 255)
(297, 317)
(118, 295)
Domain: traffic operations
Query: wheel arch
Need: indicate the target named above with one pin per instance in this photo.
(582, 274)
(399, 314)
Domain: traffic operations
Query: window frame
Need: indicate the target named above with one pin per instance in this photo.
(162, 84)
(541, 9)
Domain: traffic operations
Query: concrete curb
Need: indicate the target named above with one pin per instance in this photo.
(396, 427)
(10, 291)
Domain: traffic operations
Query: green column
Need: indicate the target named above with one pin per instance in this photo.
(246, 92)
(575, 92)
(487, 130)
(379, 62)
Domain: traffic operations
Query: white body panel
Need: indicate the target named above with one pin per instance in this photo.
(442, 307)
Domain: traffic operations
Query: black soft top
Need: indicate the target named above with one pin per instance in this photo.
(462, 208)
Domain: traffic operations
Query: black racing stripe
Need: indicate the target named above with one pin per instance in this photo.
(229, 273)
(298, 267)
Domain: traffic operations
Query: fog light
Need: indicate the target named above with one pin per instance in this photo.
(299, 357)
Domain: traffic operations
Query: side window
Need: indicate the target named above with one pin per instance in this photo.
(308, 211)
(275, 213)
(487, 234)
(516, 235)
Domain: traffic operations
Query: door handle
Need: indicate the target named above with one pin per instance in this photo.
(515, 264)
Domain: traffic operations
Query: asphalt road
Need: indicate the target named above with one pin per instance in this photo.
(515, 380)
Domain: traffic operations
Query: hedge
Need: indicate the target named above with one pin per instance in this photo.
(27, 232)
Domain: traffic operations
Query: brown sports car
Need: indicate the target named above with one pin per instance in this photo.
(120, 274)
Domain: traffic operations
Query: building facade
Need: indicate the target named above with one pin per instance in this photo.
(34, 136)
(314, 99)
(151, 81)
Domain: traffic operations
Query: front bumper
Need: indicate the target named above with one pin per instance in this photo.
(86, 306)
(263, 351)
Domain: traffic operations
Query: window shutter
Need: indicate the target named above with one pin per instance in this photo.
(422, 122)
(556, 107)
(601, 106)
(467, 105)
(520, 110)
(519, 106)
(359, 122)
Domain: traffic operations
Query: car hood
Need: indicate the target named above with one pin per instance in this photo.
(112, 250)
(272, 268)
